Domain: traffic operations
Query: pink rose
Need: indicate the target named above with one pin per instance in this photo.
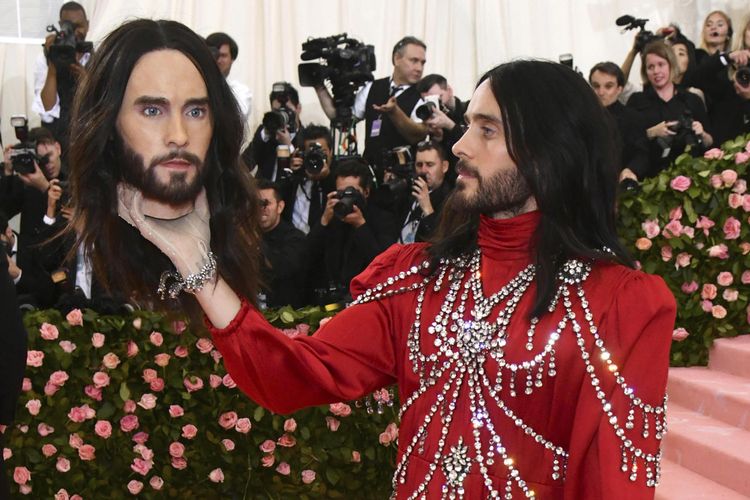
(176, 449)
(682, 260)
(643, 244)
(688, 231)
(740, 186)
(679, 334)
(228, 444)
(149, 375)
(176, 411)
(162, 359)
(732, 228)
(128, 423)
(26, 385)
(179, 463)
(189, 431)
(745, 278)
(333, 424)
(283, 469)
(392, 431)
(326, 320)
(157, 385)
(147, 402)
(745, 247)
(340, 409)
(179, 326)
(651, 228)
(156, 338)
(97, 340)
(666, 253)
(100, 380)
(673, 229)
(746, 203)
(730, 295)
(267, 460)
(204, 345)
(135, 487)
(709, 291)
(137, 323)
(680, 183)
(718, 312)
(214, 381)
(243, 425)
(34, 358)
(689, 288)
(87, 452)
(48, 450)
(290, 332)
(181, 351)
(228, 420)
(193, 383)
(81, 413)
(75, 441)
(741, 158)
(675, 213)
(141, 466)
(21, 475)
(716, 182)
(290, 425)
(735, 200)
(24, 489)
(267, 446)
(729, 177)
(103, 429)
(132, 349)
(67, 346)
(713, 154)
(156, 482)
(228, 381)
(704, 223)
(141, 438)
(63, 464)
(719, 251)
(129, 406)
(110, 361)
(48, 331)
(59, 378)
(356, 458)
(7, 454)
(75, 318)
(308, 476)
(216, 476)
(62, 494)
(44, 430)
(706, 305)
(216, 355)
(303, 328)
(287, 441)
(33, 405)
(50, 389)
(724, 278)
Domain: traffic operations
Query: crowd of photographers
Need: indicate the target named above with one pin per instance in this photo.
(327, 211)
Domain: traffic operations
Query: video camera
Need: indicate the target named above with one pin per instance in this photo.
(278, 119)
(349, 64)
(62, 52)
(644, 37)
(23, 155)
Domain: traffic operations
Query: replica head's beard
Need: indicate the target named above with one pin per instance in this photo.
(177, 190)
(504, 191)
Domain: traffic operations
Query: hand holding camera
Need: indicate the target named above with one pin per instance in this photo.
(421, 192)
(345, 204)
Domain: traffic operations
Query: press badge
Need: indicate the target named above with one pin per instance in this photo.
(375, 130)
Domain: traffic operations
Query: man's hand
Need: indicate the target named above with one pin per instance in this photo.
(77, 70)
(296, 162)
(387, 108)
(327, 216)
(54, 193)
(7, 162)
(740, 57)
(283, 136)
(697, 128)
(355, 218)
(421, 192)
(13, 270)
(626, 173)
(440, 120)
(661, 129)
(35, 179)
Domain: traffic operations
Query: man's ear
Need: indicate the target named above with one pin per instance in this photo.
(281, 205)
(444, 166)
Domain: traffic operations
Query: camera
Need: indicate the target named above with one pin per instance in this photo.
(62, 52)
(278, 119)
(426, 110)
(742, 76)
(314, 159)
(400, 163)
(349, 64)
(348, 198)
(23, 155)
(684, 135)
(644, 37)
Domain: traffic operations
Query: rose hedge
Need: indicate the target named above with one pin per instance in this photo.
(690, 225)
(138, 405)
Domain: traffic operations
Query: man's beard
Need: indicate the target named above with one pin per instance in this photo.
(176, 191)
(505, 191)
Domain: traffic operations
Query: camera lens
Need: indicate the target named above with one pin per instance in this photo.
(425, 111)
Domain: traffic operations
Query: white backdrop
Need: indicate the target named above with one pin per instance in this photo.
(463, 37)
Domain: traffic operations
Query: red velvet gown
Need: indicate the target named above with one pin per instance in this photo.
(560, 436)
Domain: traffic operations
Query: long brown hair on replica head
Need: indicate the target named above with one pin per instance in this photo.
(123, 261)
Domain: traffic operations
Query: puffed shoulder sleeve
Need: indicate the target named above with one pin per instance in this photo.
(395, 259)
(621, 413)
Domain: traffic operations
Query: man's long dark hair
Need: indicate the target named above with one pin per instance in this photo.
(563, 144)
(122, 259)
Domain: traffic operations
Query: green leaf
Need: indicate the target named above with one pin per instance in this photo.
(124, 391)
(258, 413)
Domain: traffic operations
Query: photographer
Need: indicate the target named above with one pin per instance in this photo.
(608, 81)
(734, 109)
(420, 213)
(225, 50)
(58, 70)
(388, 105)
(284, 250)
(674, 118)
(350, 233)
(279, 133)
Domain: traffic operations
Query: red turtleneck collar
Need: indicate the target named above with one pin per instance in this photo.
(508, 239)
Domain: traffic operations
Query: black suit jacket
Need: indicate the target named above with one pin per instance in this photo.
(12, 346)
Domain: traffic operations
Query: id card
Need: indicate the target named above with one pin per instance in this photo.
(375, 130)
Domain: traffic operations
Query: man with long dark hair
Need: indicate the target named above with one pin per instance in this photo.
(531, 357)
(156, 137)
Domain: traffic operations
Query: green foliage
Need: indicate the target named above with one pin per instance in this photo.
(343, 452)
(668, 228)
